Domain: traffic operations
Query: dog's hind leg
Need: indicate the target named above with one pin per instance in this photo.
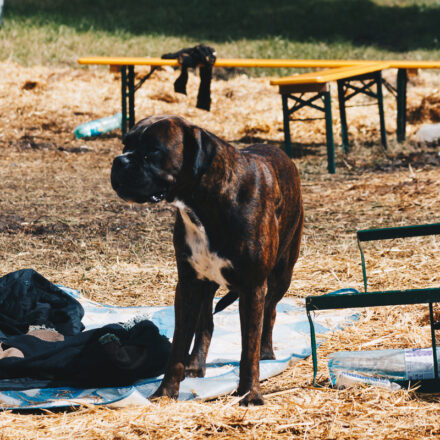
(277, 284)
(196, 366)
(251, 322)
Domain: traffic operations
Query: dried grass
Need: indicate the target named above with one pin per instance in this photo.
(59, 216)
(427, 111)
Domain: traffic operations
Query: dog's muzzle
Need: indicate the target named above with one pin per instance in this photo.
(131, 183)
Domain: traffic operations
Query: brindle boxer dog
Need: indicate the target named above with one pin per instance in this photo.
(238, 224)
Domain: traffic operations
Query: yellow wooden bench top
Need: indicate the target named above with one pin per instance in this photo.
(259, 62)
(325, 76)
(405, 64)
(221, 62)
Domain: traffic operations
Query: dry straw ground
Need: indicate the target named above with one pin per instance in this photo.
(59, 216)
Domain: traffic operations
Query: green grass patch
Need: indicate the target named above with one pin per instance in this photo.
(60, 31)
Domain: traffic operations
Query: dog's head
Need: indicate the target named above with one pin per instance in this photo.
(163, 157)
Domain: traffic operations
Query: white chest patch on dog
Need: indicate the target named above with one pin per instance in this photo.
(207, 264)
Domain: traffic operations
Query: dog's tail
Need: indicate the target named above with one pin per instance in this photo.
(227, 300)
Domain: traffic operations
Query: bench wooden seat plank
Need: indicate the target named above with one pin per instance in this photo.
(127, 61)
(325, 76)
(407, 64)
(261, 62)
(224, 62)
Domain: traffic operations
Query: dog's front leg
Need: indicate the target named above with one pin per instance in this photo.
(187, 304)
(251, 307)
(196, 366)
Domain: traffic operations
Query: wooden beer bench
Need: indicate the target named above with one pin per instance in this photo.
(294, 87)
(126, 65)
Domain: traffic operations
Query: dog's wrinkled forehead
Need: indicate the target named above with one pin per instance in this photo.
(154, 130)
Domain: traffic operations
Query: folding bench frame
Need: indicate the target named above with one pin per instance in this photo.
(345, 86)
(322, 92)
(385, 298)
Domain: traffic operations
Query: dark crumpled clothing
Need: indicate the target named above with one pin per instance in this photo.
(202, 55)
(27, 298)
(108, 356)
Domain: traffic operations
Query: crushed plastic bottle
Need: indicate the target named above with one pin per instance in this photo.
(345, 379)
(98, 126)
(394, 365)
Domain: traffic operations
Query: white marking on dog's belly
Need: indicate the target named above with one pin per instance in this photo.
(207, 264)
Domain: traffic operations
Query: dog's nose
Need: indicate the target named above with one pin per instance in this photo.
(114, 179)
(120, 165)
(121, 161)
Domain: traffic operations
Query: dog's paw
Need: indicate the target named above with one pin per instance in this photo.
(165, 392)
(195, 371)
(196, 367)
(267, 354)
(252, 399)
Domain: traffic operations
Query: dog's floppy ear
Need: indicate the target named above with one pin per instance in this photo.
(203, 149)
(134, 135)
(131, 139)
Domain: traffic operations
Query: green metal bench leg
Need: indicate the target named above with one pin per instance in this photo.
(383, 133)
(329, 133)
(364, 271)
(434, 344)
(313, 344)
(402, 80)
(286, 122)
(131, 116)
(124, 99)
(343, 116)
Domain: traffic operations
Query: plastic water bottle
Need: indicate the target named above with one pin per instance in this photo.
(398, 365)
(98, 126)
(346, 379)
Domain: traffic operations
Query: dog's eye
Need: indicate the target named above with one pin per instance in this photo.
(151, 155)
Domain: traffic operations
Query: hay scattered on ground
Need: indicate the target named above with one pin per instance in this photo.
(59, 216)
